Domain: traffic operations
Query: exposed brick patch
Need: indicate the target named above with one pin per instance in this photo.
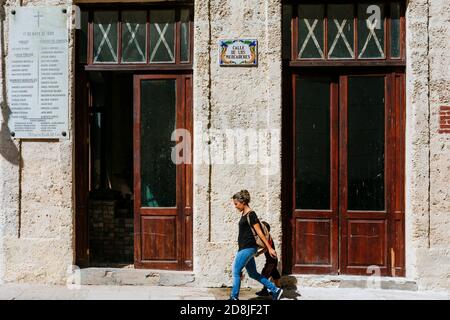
(111, 231)
(444, 119)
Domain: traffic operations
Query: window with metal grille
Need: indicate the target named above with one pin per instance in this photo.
(344, 32)
(136, 36)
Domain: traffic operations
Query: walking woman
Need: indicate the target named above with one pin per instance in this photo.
(248, 247)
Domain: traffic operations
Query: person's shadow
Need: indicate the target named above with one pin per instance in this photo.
(8, 149)
(289, 285)
(290, 294)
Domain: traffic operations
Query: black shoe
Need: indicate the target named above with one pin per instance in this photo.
(263, 293)
(231, 298)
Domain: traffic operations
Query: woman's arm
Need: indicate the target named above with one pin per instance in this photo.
(258, 230)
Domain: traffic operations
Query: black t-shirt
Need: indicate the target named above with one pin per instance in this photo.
(246, 238)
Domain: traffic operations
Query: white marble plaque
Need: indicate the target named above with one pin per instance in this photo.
(38, 72)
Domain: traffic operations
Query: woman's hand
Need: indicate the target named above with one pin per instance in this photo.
(272, 253)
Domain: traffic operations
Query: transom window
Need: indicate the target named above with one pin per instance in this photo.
(344, 31)
(139, 36)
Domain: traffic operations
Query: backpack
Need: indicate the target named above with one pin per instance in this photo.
(261, 246)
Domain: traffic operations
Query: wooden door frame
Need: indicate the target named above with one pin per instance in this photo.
(81, 167)
(394, 167)
(184, 191)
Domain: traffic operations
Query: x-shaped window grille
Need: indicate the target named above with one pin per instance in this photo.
(104, 40)
(311, 36)
(162, 40)
(372, 34)
(340, 34)
(133, 39)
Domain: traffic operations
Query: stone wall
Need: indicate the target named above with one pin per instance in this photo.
(233, 98)
(36, 177)
(427, 151)
(36, 192)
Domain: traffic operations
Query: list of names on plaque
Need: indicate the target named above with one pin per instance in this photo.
(38, 72)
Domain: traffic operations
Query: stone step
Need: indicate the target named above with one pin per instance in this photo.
(131, 276)
(345, 281)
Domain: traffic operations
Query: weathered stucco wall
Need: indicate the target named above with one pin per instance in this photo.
(36, 193)
(233, 98)
(36, 177)
(435, 270)
(427, 151)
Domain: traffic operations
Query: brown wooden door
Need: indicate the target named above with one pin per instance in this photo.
(315, 174)
(348, 212)
(163, 188)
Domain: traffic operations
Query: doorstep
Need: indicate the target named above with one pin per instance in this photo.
(136, 277)
(346, 281)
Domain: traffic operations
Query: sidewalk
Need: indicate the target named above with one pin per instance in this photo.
(49, 292)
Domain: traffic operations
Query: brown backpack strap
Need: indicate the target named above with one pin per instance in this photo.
(251, 228)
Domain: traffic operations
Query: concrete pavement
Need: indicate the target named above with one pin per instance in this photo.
(12, 291)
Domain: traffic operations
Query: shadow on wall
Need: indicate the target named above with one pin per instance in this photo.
(8, 150)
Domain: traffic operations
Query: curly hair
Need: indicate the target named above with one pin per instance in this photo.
(242, 196)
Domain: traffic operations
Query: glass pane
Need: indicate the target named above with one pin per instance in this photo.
(185, 35)
(287, 17)
(366, 143)
(371, 31)
(83, 37)
(162, 28)
(395, 30)
(158, 172)
(134, 48)
(312, 147)
(310, 31)
(96, 147)
(105, 36)
(340, 31)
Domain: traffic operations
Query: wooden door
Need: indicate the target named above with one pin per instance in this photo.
(371, 173)
(315, 174)
(348, 213)
(163, 188)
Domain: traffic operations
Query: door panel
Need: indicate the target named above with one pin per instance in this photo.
(162, 239)
(366, 245)
(364, 218)
(365, 143)
(315, 219)
(158, 121)
(159, 241)
(314, 235)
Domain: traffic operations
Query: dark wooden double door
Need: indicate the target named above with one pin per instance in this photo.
(346, 178)
(163, 184)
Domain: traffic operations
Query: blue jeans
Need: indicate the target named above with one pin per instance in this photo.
(245, 258)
